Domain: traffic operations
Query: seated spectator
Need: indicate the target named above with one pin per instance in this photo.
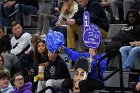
(28, 7)
(130, 54)
(21, 86)
(27, 62)
(8, 9)
(57, 70)
(92, 82)
(4, 41)
(41, 54)
(97, 16)
(68, 10)
(126, 5)
(55, 73)
(20, 42)
(127, 34)
(5, 85)
(27, 59)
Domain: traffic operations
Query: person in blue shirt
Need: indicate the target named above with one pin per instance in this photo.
(92, 82)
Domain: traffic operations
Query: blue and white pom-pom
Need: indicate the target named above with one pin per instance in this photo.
(54, 41)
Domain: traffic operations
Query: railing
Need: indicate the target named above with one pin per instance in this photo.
(113, 72)
(13, 13)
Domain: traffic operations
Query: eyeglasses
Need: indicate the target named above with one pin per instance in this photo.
(20, 79)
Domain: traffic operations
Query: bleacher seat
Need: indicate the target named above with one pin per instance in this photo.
(113, 30)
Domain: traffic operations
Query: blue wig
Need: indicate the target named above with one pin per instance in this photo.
(54, 41)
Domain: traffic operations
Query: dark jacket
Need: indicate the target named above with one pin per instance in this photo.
(128, 34)
(131, 32)
(26, 88)
(57, 70)
(5, 44)
(97, 15)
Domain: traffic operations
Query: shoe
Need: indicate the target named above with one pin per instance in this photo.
(126, 70)
(111, 68)
(117, 22)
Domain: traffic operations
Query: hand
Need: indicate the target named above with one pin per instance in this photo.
(46, 64)
(62, 49)
(10, 3)
(138, 87)
(40, 76)
(27, 52)
(70, 21)
(135, 43)
(56, 9)
(92, 52)
(39, 33)
(131, 43)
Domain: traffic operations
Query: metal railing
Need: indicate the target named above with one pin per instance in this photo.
(14, 12)
(119, 69)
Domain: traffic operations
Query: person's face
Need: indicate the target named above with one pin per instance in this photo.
(19, 81)
(41, 47)
(17, 30)
(131, 18)
(1, 62)
(1, 33)
(4, 82)
(52, 56)
(79, 75)
(82, 3)
(67, 2)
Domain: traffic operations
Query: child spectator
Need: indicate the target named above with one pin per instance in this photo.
(21, 87)
(5, 85)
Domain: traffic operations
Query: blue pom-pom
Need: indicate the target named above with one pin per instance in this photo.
(54, 41)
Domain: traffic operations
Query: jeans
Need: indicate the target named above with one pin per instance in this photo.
(129, 55)
(11, 61)
(44, 22)
(26, 9)
(127, 5)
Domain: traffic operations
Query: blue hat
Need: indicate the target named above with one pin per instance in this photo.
(54, 41)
